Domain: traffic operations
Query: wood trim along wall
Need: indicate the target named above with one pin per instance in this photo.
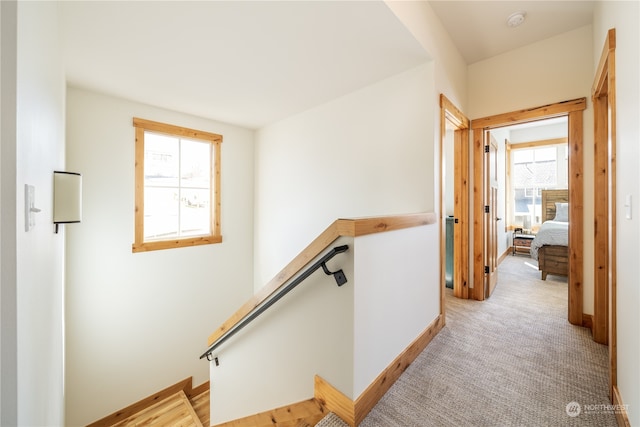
(601, 219)
(603, 95)
(620, 408)
(574, 110)
(506, 253)
(530, 114)
(576, 207)
(327, 398)
(478, 214)
(341, 227)
(587, 321)
(368, 399)
(450, 114)
(334, 400)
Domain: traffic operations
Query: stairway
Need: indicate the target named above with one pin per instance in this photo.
(177, 405)
(181, 405)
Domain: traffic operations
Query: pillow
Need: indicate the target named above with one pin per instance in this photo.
(562, 212)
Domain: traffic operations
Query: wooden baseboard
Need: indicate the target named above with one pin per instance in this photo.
(327, 398)
(620, 408)
(587, 321)
(334, 400)
(504, 255)
(368, 399)
(198, 390)
(353, 412)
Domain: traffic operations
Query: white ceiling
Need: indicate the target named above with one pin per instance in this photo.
(479, 28)
(252, 63)
(240, 62)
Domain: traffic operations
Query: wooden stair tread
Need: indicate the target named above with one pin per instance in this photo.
(175, 410)
(302, 414)
(200, 405)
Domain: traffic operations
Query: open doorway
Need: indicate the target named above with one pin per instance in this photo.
(454, 201)
(533, 183)
(573, 110)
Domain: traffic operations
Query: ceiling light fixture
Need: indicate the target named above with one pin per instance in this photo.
(516, 19)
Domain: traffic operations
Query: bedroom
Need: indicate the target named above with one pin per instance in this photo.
(532, 161)
(536, 189)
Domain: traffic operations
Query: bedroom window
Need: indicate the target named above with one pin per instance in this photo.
(177, 187)
(534, 170)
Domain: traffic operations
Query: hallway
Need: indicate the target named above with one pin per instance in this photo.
(511, 360)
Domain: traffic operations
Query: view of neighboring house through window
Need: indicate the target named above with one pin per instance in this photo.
(534, 170)
(177, 186)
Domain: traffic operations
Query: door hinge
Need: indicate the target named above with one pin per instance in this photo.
(486, 269)
(486, 148)
(486, 208)
(455, 220)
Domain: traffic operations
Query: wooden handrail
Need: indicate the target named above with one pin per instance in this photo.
(340, 227)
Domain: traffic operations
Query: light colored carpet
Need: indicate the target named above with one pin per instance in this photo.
(332, 420)
(513, 360)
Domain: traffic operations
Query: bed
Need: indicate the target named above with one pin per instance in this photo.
(551, 244)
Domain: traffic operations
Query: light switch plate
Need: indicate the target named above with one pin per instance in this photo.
(29, 207)
(627, 206)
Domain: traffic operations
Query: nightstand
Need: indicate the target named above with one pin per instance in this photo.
(521, 241)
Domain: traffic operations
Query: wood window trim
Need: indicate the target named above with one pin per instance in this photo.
(536, 144)
(139, 245)
(509, 147)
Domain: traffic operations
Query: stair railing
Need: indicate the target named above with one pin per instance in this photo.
(338, 275)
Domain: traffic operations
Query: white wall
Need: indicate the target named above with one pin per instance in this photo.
(32, 283)
(390, 298)
(136, 323)
(272, 362)
(537, 133)
(8, 222)
(450, 69)
(552, 70)
(624, 17)
(367, 153)
(397, 296)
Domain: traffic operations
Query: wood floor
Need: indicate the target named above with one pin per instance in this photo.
(177, 405)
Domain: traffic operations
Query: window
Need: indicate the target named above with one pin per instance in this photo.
(533, 170)
(177, 178)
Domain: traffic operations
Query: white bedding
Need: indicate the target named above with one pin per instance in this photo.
(550, 233)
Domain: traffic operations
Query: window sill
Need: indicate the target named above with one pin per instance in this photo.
(177, 243)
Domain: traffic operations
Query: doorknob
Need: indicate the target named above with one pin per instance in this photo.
(498, 219)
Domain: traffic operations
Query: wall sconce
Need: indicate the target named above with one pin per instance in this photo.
(67, 198)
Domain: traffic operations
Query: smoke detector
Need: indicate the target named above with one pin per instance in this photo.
(516, 19)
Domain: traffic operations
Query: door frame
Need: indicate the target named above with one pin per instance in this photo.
(573, 109)
(449, 113)
(490, 216)
(603, 95)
